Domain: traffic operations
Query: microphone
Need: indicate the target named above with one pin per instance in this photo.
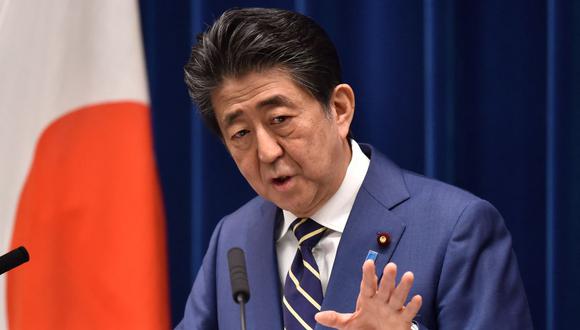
(13, 259)
(239, 280)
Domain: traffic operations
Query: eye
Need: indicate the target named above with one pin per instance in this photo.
(279, 119)
(240, 134)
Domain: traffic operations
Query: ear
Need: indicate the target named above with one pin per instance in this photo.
(342, 105)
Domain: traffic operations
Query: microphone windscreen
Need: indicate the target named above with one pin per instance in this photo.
(13, 259)
(238, 275)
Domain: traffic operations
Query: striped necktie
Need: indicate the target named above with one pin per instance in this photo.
(302, 289)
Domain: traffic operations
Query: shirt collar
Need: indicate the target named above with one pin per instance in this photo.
(334, 213)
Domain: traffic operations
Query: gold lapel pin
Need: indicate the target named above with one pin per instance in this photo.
(383, 238)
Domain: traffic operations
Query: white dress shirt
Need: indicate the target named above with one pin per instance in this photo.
(332, 215)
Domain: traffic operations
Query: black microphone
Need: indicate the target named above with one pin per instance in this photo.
(13, 259)
(239, 279)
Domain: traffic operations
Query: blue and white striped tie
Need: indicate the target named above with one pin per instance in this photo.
(303, 290)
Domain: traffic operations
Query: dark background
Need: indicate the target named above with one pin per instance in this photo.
(481, 94)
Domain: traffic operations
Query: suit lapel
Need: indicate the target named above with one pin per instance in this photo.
(264, 307)
(366, 219)
(382, 190)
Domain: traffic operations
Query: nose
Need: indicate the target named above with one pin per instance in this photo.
(268, 147)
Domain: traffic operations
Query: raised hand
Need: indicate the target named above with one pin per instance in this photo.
(378, 306)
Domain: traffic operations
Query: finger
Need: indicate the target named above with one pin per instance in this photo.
(387, 282)
(401, 291)
(412, 308)
(332, 319)
(368, 284)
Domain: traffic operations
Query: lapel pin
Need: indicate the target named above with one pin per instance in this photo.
(383, 238)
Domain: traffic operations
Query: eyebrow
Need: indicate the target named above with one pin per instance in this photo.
(275, 101)
(271, 102)
(231, 117)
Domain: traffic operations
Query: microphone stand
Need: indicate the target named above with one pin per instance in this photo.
(242, 301)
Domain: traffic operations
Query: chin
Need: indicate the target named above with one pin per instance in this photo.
(285, 205)
(285, 202)
(297, 211)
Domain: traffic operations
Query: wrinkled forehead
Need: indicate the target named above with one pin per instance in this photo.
(253, 88)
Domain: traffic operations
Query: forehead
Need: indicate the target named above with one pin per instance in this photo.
(247, 91)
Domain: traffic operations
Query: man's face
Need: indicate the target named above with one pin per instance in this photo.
(289, 150)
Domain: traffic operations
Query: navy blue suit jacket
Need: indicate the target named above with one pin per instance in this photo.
(455, 243)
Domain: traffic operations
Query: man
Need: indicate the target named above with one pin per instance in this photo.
(267, 82)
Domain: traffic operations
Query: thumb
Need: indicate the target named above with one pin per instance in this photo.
(332, 319)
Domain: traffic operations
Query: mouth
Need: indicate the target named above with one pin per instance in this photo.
(282, 183)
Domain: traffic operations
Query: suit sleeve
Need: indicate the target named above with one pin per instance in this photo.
(201, 308)
(480, 286)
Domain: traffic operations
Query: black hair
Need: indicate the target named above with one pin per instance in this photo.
(256, 39)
